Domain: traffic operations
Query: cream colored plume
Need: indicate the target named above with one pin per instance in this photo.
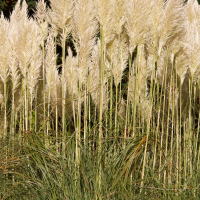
(83, 32)
(169, 31)
(117, 52)
(4, 50)
(71, 75)
(83, 19)
(177, 37)
(24, 42)
(50, 59)
(53, 29)
(35, 66)
(94, 77)
(193, 36)
(15, 16)
(182, 62)
(119, 15)
(40, 16)
(104, 11)
(192, 11)
(52, 77)
(60, 15)
(138, 82)
(4, 70)
(13, 63)
(137, 13)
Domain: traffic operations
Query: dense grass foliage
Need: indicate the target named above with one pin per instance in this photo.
(116, 115)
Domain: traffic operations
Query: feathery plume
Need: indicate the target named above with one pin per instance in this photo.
(53, 29)
(60, 15)
(94, 74)
(71, 75)
(84, 27)
(13, 61)
(105, 15)
(193, 35)
(137, 14)
(4, 72)
(119, 15)
(117, 51)
(24, 42)
(40, 13)
(166, 24)
(174, 32)
(4, 33)
(36, 60)
(15, 16)
(83, 32)
(94, 77)
(182, 62)
(138, 82)
(40, 16)
(167, 32)
(192, 11)
(53, 81)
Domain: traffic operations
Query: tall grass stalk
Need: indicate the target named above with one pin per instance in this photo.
(127, 119)
(13, 68)
(101, 105)
(56, 99)
(111, 98)
(4, 72)
(149, 115)
(190, 125)
(63, 92)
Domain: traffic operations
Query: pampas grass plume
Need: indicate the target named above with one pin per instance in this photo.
(60, 15)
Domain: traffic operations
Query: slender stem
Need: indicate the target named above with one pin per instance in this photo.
(44, 90)
(111, 98)
(85, 115)
(56, 99)
(127, 107)
(5, 110)
(63, 94)
(148, 129)
(13, 124)
(101, 103)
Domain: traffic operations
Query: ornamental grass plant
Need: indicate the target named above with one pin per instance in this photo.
(120, 120)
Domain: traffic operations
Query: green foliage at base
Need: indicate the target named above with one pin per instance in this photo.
(36, 172)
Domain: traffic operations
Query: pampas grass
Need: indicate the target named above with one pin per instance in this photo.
(4, 70)
(122, 115)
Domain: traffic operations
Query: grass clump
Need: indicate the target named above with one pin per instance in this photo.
(120, 120)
